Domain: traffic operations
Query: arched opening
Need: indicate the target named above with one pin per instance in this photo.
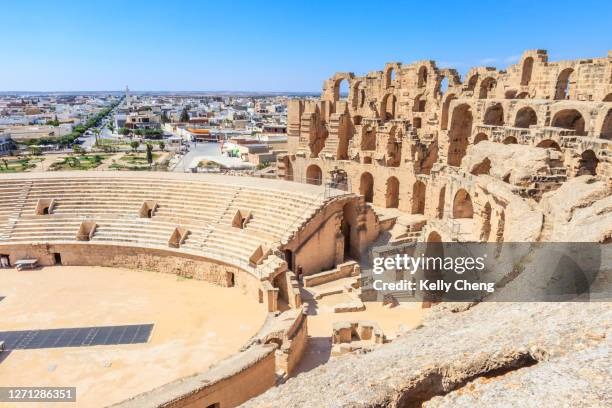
(390, 77)
(486, 88)
(525, 117)
(422, 76)
(460, 131)
(417, 123)
(588, 163)
(392, 195)
(510, 140)
(522, 95)
(480, 137)
(288, 169)
(366, 187)
(345, 227)
(443, 87)
(289, 259)
(570, 119)
(441, 198)
(549, 144)
(485, 232)
(418, 198)
(368, 138)
(471, 85)
(394, 148)
(606, 129)
(494, 115)
(608, 98)
(527, 70)
(357, 120)
(420, 103)
(445, 108)
(511, 94)
(389, 103)
(314, 175)
(564, 84)
(341, 90)
(484, 167)
(356, 93)
(462, 205)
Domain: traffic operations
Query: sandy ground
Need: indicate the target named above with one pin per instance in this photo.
(196, 324)
(321, 318)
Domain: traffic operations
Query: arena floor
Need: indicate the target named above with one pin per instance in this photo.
(196, 325)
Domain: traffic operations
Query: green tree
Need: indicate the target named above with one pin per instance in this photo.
(185, 114)
(77, 149)
(162, 146)
(96, 133)
(135, 144)
(124, 131)
(35, 150)
(164, 117)
(5, 163)
(111, 126)
(149, 153)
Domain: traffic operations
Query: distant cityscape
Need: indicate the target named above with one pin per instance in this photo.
(180, 131)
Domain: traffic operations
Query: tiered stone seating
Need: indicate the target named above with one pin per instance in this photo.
(204, 208)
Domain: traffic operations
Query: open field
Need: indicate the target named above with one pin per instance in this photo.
(195, 325)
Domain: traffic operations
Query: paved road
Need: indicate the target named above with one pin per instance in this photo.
(208, 151)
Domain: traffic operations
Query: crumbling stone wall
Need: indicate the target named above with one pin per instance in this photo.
(402, 134)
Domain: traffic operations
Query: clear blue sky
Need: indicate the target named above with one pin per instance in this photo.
(290, 45)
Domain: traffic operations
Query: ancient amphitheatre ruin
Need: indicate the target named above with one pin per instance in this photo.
(522, 155)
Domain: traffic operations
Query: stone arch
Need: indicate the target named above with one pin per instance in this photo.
(459, 133)
(486, 88)
(606, 128)
(565, 84)
(358, 95)
(494, 115)
(510, 140)
(422, 76)
(314, 175)
(390, 75)
(420, 103)
(527, 71)
(366, 186)
(389, 103)
(442, 86)
(569, 119)
(462, 205)
(392, 194)
(441, 198)
(525, 117)
(588, 163)
(549, 144)
(485, 231)
(445, 106)
(394, 147)
(471, 83)
(368, 138)
(484, 167)
(418, 197)
(434, 237)
(480, 137)
(341, 89)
